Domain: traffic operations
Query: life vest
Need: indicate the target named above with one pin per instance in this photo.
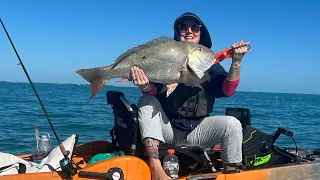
(186, 106)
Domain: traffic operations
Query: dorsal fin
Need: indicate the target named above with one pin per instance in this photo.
(154, 42)
(159, 40)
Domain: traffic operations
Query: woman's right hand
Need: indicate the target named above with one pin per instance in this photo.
(140, 79)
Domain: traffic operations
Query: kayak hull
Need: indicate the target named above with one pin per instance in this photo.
(135, 168)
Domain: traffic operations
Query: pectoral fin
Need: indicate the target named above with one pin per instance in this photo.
(169, 88)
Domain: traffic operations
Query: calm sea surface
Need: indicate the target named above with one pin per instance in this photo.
(73, 112)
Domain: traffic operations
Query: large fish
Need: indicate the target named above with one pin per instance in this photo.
(163, 60)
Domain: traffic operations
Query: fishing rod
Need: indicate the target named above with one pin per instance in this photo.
(64, 163)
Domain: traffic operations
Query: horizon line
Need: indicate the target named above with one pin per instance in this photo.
(1, 81)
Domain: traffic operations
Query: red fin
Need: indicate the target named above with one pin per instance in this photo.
(171, 88)
(96, 86)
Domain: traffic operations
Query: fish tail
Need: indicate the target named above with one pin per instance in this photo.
(96, 76)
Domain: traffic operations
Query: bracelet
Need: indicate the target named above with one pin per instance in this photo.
(235, 65)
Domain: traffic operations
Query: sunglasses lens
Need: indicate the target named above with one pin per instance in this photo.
(195, 28)
(184, 27)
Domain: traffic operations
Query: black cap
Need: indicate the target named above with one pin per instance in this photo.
(205, 38)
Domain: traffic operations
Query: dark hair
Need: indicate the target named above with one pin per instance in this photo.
(205, 38)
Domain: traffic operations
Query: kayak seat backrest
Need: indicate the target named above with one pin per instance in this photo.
(126, 134)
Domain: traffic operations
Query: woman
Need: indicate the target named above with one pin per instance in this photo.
(183, 118)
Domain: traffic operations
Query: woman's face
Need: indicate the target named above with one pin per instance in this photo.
(190, 31)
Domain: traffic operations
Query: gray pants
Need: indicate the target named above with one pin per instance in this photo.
(212, 130)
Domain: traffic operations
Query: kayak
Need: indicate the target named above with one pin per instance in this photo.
(101, 159)
(136, 168)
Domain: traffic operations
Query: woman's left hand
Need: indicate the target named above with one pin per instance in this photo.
(239, 50)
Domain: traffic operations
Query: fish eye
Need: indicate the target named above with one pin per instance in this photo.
(200, 49)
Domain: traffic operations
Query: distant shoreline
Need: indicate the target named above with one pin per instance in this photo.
(112, 85)
(87, 84)
(57, 83)
(40, 82)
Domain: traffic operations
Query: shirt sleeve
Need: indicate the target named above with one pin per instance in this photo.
(215, 84)
(229, 86)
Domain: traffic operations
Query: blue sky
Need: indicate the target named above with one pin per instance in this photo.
(56, 38)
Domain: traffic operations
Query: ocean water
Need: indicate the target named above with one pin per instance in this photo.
(73, 112)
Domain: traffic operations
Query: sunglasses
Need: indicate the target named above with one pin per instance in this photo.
(184, 27)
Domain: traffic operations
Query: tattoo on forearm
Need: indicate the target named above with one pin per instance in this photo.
(152, 152)
(151, 146)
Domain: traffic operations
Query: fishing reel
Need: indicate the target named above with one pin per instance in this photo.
(67, 166)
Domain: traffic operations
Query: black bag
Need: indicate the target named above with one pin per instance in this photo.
(125, 133)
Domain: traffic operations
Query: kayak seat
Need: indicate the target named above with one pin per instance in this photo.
(126, 135)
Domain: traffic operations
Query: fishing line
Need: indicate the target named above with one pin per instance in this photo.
(64, 152)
